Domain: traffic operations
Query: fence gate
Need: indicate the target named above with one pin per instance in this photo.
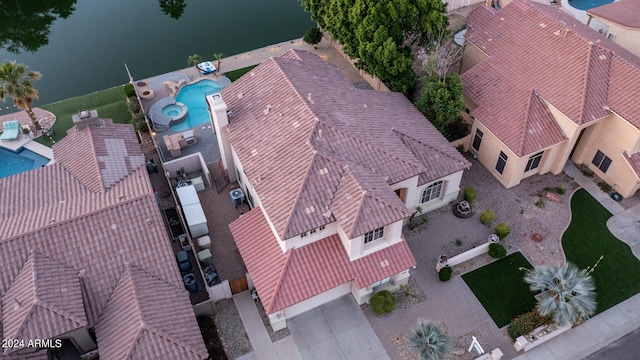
(239, 285)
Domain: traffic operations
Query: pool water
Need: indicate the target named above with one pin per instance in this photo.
(12, 163)
(588, 4)
(193, 96)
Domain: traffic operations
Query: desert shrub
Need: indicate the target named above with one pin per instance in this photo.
(497, 251)
(561, 190)
(470, 194)
(313, 36)
(445, 273)
(460, 148)
(604, 186)
(487, 217)
(134, 105)
(128, 89)
(382, 302)
(502, 230)
(526, 323)
(139, 124)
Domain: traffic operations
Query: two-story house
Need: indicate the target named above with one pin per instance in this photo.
(332, 172)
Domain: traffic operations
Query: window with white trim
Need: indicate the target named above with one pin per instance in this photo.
(502, 161)
(534, 161)
(381, 282)
(432, 192)
(601, 161)
(374, 235)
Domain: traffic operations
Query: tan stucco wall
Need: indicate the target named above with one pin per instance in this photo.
(628, 38)
(471, 56)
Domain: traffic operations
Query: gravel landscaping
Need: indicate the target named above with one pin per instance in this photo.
(231, 330)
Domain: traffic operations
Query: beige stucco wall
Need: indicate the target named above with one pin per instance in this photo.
(628, 38)
(471, 56)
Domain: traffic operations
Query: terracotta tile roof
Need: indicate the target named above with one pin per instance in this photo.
(623, 12)
(539, 55)
(289, 110)
(284, 279)
(95, 234)
(634, 162)
(100, 156)
(44, 293)
(134, 325)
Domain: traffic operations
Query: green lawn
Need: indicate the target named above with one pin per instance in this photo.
(617, 276)
(500, 289)
(110, 103)
(236, 74)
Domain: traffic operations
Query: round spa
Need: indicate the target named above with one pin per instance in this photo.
(177, 112)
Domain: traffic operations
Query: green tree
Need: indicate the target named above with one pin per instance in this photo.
(24, 25)
(313, 36)
(429, 341)
(194, 60)
(378, 32)
(218, 57)
(570, 294)
(16, 81)
(441, 101)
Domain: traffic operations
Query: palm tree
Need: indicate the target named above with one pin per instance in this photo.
(570, 294)
(16, 82)
(428, 339)
(218, 57)
(194, 59)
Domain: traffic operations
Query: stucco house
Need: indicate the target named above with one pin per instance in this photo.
(622, 19)
(543, 88)
(332, 172)
(86, 265)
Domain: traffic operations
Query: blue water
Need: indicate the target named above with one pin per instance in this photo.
(193, 96)
(12, 163)
(588, 4)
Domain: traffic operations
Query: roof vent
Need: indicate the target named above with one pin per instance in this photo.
(384, 263)
(309, 98)
(310, 209)
(323, 171)
(542, 25)
(266, 111)
(296, 124)
(82, 272)
(240, 95)
(254, 152)
(327, 213)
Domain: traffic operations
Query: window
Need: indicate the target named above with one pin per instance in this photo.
(502, 161)
(477, 139)
(601, 161)
(534, 161)
(373, 235)
(432, 192)
(381, 282)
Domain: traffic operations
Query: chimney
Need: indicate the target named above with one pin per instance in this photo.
(218, 110)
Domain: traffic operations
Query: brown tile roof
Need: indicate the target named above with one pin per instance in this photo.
(51, 212)
(623, 12)
(284, 279)
(539, 55)
(99, 156)
(44, 292)
(134, 325)
(634, 161)
(292, 112)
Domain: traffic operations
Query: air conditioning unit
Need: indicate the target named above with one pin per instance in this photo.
(237, 197)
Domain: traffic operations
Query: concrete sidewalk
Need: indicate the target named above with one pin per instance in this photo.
(610, 325)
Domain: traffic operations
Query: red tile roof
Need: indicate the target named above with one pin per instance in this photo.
(623, 12)
(634, 161)
(292, 113)
(45, 292)
(95, 234)
(284, 279)
(134, 325)
(538, 55)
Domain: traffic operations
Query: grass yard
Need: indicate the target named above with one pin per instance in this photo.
(500, 289)
(617, 276)
(236, 74)
(110, 103)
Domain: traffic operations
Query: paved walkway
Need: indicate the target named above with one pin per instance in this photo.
(610, 325)
(337, 330)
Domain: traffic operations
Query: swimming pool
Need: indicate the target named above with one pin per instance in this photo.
(193, 96)
(12, 163)
(588, 4)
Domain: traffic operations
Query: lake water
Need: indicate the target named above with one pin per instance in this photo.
(87, 51)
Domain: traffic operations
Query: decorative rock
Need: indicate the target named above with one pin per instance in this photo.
(458, 352)
(536, 237)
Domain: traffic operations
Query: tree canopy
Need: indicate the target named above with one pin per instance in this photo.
(379, 32)
(24, 25)
(441, 101)
(16, 81)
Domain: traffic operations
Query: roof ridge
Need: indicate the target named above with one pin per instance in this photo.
(172, 339)
(307, 174)
(274, 295)
(360, 203)
(425, 144)
(58, 311)
(585, 83)
(94, 156)
(525, 123)
(18, 330)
